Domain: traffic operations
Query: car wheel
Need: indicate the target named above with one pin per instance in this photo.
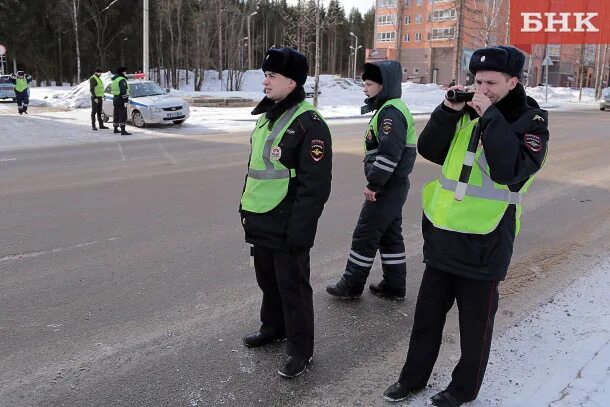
(178, 121)
(14, 100)
(105, 117)
(602, 108)
(137, 119)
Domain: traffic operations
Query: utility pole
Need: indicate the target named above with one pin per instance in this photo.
(145, 63)
(355, 53)
(317, 64)
(250, 40)
(458, 46)
(581, 70)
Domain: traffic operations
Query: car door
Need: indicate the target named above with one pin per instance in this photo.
(107, 103)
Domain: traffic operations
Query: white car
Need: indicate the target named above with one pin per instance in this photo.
(7, 90)
(148, 103)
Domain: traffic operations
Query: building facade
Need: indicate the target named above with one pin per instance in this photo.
(434, 40)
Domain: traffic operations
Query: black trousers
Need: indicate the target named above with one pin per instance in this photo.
(119, 115)
(477, 302)
(379, 227)
(287, 306)
(23, 100)
(96, 110)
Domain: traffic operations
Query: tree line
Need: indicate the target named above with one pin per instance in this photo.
(65, 40)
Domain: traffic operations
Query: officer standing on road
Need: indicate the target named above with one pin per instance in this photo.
(390, 153)
(96, 86)
(471, 218)
(288, 183)
(120, 100)
(22, 90)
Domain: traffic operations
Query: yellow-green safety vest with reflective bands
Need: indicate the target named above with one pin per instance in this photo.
(485, 201)
(21, 84)
(268, 179)
(410, 137)
(99, 86)
(116, 90)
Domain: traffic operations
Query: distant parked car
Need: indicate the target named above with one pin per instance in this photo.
(6, 88)
(605, 102)
(148, 103)
(309, 90)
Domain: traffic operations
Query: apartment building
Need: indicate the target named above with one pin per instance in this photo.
(434, 40)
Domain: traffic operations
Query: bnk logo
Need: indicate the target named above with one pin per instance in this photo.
(560, 21)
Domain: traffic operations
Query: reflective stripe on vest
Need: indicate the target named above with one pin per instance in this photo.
(268, 179)
(116, 90)
(99, 86)
(485, 201)
(21, 84)
(410, 137)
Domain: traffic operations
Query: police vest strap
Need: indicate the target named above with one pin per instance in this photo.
(270, 172)
(482, 192)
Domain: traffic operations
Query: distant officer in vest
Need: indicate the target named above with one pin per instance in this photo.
(120, 100)
(471, 218)
(22, 90)
(96, 86)
(287, 185)
(390, 152)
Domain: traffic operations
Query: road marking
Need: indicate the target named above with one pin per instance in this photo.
(166, 154)
(121, 150)
(7, 159)
(29, 255)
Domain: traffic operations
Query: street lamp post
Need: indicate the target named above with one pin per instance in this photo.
(241, 50)
(356, 48)
(122, 50)
(250, 40)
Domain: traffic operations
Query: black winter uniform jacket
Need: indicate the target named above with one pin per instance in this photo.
(391, 131)
(292, 224)
(514, 138)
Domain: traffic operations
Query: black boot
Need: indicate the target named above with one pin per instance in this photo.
(116, 129)
(103, 127)
(256, 339)
(399, 392)
(383, 290)
(294, 366)
(124, 132)
(93, 126)
(445, 399)
(20, 111)
(342, 291)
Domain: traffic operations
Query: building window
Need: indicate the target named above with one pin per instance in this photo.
(405, 71)
(386, 19)
(407, 37)
(407, 3)
(416, 70)
(407, 20)
(386, 36)
(418, 19)
(417, 37)
(442, 15)
(420, 3)
(386, 3)
(443, 33)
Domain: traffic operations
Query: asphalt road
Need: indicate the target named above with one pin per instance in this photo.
(124, 279)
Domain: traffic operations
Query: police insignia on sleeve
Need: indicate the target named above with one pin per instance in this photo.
(533, 142)
(538, 118)
(386, 126)
(317, 149)
(276, 153)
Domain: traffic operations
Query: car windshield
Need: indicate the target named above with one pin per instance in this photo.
(141, 89)
(4, 79)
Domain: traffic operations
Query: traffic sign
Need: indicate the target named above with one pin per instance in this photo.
(547, 61)
(2, 49)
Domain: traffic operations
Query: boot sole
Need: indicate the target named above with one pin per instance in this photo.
(388, 296)
(268, 343)
(391, 400)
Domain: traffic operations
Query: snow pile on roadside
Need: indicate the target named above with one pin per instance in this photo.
(560, 354)
(80, 95)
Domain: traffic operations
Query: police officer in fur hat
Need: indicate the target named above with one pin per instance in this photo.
(287, 184)
(470, 223)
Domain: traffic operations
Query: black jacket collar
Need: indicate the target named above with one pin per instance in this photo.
(274, 110)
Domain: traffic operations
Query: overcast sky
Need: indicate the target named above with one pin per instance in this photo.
(362, 5)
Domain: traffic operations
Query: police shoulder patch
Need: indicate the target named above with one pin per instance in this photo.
(386, 126)
(316, 149)
(533, 142)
